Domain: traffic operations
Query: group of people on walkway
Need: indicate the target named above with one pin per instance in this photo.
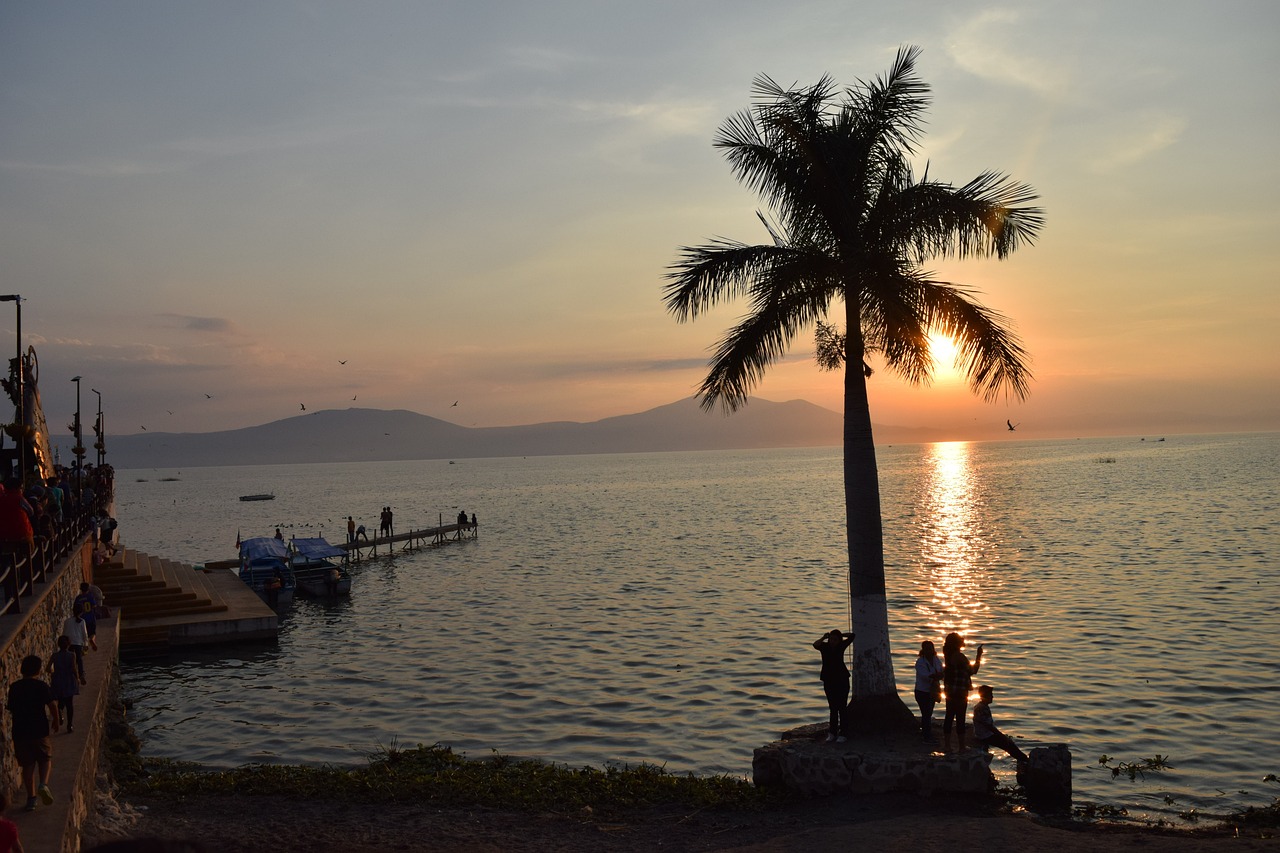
(947, 679)
(39, 707)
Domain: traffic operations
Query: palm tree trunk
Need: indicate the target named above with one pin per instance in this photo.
(876, 705)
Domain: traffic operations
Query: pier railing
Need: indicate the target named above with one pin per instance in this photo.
(22, 567)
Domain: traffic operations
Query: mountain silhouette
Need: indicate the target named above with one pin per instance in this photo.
(363, 435)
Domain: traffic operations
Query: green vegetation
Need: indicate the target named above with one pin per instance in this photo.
(1135, 769)
(436, 774)
(1265, 816)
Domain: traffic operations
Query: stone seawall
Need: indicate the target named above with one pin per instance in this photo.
(804, 763)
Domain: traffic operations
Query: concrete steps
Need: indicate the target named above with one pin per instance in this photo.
(162, 603)
(157, 587)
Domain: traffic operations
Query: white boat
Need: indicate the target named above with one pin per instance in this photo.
(314, 571)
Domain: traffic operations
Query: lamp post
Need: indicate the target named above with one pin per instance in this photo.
(22, 397)
(101, 444)
(78, 450)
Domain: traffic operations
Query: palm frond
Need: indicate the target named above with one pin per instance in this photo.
(989, 354)
(744, 354)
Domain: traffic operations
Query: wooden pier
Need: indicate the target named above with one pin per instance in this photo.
(428, 537)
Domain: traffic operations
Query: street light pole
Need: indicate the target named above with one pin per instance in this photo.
(78, 450)
(101, 444)
(22, 394)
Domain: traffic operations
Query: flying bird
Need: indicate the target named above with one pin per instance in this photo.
(355, 396)
(1012, 425)
(144, 429)
(208, 396)
(341, 361)
(168, 411)
(304, 406)
(455, 402)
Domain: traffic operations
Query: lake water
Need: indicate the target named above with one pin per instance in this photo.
(659, 607)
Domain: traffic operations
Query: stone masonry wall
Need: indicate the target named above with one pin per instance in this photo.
(35, 631)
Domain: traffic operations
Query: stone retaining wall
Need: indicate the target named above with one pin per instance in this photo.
(819, 769)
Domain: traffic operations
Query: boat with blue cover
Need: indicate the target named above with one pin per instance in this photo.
(265, 565)
(315, 571)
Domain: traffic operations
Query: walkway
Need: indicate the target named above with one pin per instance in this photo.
(75, 757)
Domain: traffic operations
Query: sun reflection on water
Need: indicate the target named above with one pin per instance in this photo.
(953, 544)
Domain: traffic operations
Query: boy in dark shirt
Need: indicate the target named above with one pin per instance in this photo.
(28, 701)
(984, 728)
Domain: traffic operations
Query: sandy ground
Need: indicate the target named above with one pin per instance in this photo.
(888, 822)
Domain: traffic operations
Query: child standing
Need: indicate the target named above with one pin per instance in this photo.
(64, 681)
(74, 629)
(29, 699)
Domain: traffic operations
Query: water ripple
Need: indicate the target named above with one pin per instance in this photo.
(659, 607)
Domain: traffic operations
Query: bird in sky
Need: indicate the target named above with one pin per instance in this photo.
(342, 361)
(354, 396)
(208, 396)
(168, 411)
(455, 402)
(1012, 425)
(144, 429)
(304, 406)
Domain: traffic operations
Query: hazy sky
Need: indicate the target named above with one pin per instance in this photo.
(477, 202)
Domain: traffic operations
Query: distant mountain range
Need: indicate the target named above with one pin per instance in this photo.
(355, 435)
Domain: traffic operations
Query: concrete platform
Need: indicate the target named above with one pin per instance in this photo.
(162, 604)
(805, 763)
(246, 616)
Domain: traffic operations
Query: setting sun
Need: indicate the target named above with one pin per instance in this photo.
(943, 350)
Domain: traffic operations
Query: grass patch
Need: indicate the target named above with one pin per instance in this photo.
(436, 774)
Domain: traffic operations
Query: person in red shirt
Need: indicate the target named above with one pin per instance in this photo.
(15, 518)
(9, 842)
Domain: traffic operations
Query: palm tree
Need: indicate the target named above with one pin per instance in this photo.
(852, 225)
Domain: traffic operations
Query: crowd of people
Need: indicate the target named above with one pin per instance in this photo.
(38, 510)
(947, 679)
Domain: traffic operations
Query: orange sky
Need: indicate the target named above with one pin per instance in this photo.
(479, 207)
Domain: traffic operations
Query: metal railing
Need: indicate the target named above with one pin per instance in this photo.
(21, 568)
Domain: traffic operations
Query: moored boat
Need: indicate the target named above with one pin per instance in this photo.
(261, 497)
(314, 571)
(265, 568)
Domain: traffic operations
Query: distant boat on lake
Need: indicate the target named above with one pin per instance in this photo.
(257, 497)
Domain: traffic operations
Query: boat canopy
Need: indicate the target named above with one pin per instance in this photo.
(263, 548)
(316, 548)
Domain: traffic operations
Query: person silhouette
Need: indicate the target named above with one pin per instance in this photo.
(835, 680)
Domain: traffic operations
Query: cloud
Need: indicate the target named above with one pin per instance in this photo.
(991, 46)
(1149, 132)
(203, 324)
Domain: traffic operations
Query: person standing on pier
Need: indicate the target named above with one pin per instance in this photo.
(351, 529)
(31, 705)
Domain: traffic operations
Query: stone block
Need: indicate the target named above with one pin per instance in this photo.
(1047, 779)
